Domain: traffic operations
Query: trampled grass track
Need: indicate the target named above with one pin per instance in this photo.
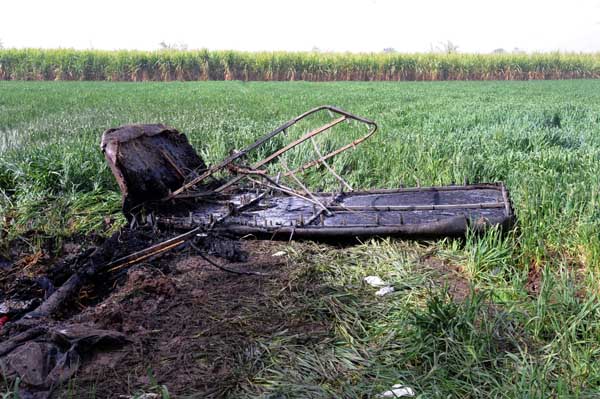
(507, 339)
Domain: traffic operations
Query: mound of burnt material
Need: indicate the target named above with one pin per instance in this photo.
(89, 308)
(149, 161)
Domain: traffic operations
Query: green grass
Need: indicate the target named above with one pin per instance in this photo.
(542, 138)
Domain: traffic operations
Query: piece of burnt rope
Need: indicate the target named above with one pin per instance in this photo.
(198, 252)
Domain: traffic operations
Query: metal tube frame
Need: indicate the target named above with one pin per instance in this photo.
(229, 160)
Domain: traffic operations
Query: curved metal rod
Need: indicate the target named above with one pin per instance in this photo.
(227, 161)
(310, 135)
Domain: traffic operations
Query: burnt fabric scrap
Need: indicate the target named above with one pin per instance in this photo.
(43, 358)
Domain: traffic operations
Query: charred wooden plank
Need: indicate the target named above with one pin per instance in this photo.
(409, 213)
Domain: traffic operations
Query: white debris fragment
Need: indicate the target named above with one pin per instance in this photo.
(141, 396)
(384, 291)
(375, 281)
(280, 253)
(398, 391)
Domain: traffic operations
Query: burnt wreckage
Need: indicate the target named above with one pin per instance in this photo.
(164, 181)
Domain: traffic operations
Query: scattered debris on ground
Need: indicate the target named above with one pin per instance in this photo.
(377, 282)
(398, 391)
(384, 291)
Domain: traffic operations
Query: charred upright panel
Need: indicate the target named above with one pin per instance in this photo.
(149, 161)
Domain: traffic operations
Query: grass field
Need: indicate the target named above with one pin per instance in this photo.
(530, 327)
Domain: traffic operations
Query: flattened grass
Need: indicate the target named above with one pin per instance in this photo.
(489, 343)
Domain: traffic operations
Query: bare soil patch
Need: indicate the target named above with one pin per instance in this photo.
(449, 275)
(195, 329)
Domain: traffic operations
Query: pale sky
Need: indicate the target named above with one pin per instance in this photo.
(335, 25)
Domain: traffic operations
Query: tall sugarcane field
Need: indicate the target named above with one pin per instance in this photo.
(194, 65)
